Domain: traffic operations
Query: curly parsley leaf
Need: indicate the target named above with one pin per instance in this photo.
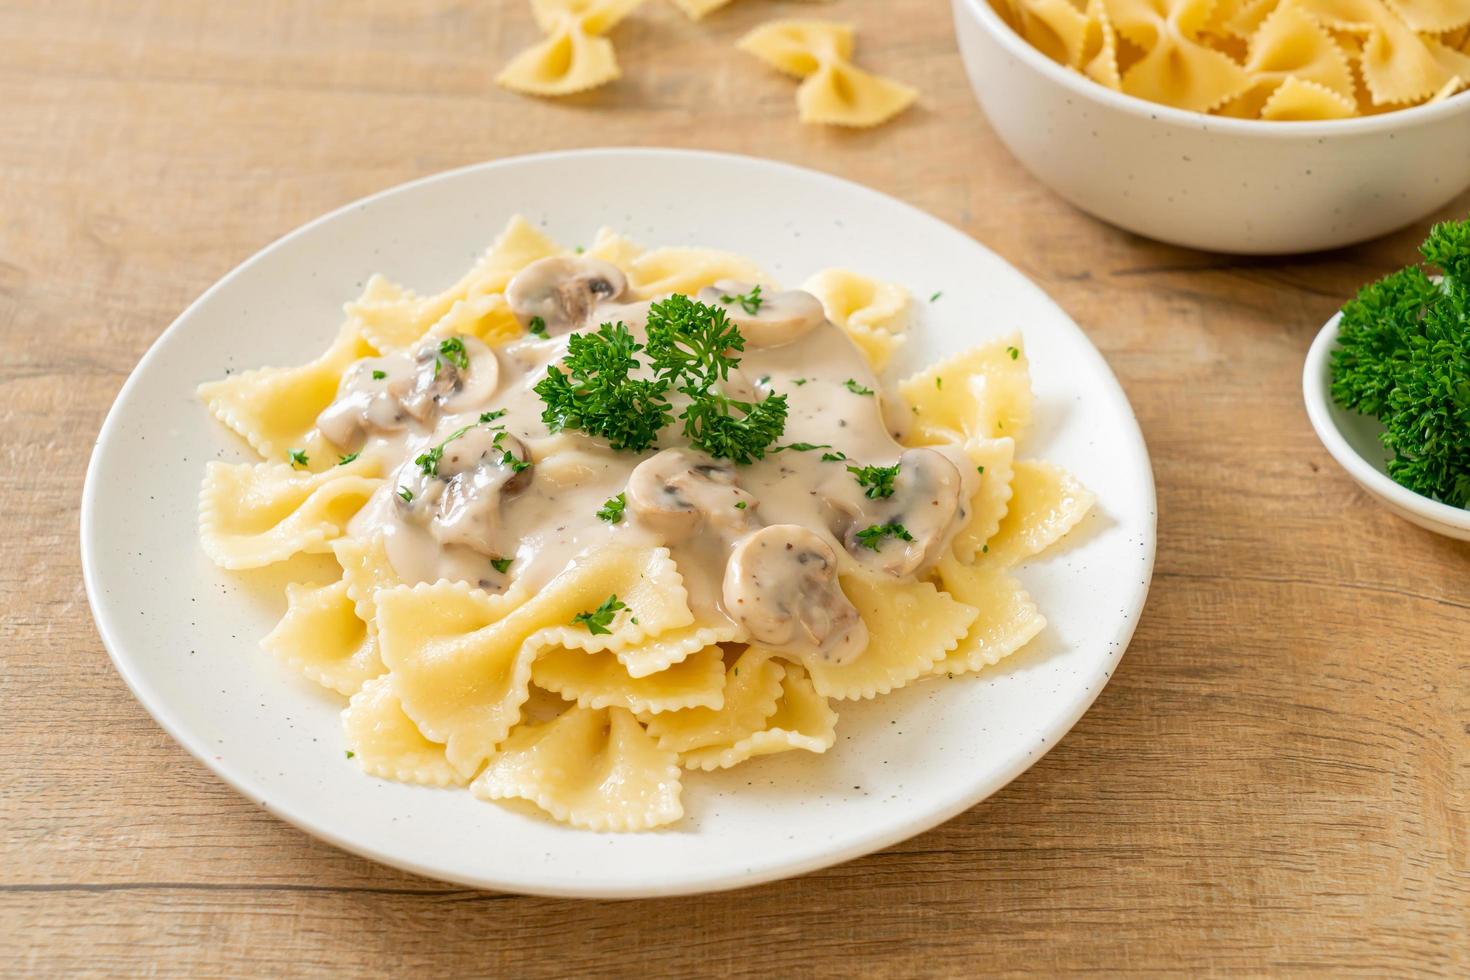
(598, 620)
(1403, 355)
(592, 391)
(689, 343)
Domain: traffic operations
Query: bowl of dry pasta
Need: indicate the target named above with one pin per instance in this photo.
(1245, 126)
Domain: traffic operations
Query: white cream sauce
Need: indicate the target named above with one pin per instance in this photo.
(508, 488)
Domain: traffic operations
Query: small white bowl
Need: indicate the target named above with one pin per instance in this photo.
(1352, 439)
(1228, 185)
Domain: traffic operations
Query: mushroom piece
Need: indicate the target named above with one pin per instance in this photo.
(381, 395)
(778, 318)
(366, 403)
(929, 501)
(563, 290)
(460, 498)
(781, 585)
(676, 492)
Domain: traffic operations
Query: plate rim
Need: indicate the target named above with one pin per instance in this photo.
(1059, 725)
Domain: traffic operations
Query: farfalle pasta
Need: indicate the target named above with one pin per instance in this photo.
(574, 56)
(1280, 60)
(562, 590)
(833, 91)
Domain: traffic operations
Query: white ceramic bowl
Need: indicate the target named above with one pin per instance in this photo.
(1352, 439)
(1229, 185)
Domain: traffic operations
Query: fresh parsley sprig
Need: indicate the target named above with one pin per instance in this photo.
(592, 390)
(1403, 355)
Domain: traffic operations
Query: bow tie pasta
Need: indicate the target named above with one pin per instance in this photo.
(574, 56)
(554, 590)
(1258, 59)
(834, 90)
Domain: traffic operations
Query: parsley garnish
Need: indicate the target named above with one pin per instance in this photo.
(801, 447)
(689, 349)
(492, 416)
(872, 537)
(598, 619)
(834, 457)
(537, 326)
(749, 302)
(1403, 355)
(857, 389)
(689, 345)
(938, 382)
(979, 469)
(1015, 352)
(296, 456)
(516, 465)
(379, 375)
(501, 565)
(452, 349)
(344, 460)
(799, 381)
(406, 494)
(350, 753)
(877, 480)
(937, 293)
(428, 462)
(739, 505)
(591, 391)
(612, 510)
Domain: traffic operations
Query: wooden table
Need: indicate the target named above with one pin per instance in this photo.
(1277, 778)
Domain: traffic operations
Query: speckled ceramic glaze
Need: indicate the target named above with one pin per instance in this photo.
(1229, 185)
(184, 634)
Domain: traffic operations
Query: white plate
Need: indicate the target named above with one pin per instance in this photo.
(184, 634)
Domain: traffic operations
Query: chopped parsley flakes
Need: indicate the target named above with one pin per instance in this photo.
(297, 457)
(501, 565)
(872, 537)
(344, 460)
(857, 389)
(452, 350)
(537, 326)
(612, 510)
(598, 620)
(749, 302)
(877, 481)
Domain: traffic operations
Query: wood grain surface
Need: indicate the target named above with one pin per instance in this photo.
(1276, 780)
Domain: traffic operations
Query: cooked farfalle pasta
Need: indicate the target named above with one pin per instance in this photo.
(833, 90)
(1279, 60)
(531, 606)
(574, 56)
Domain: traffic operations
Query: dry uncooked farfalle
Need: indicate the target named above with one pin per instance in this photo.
(574, 56)
(833, 90)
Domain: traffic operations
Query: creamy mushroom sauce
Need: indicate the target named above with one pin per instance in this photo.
(524, 493)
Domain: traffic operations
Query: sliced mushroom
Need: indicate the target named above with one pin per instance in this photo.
(929, 503)
(384, 394)
(563, 290)
(766, 319)
(460, 499)
(366, 404)
(677, 492)
(781, 585)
